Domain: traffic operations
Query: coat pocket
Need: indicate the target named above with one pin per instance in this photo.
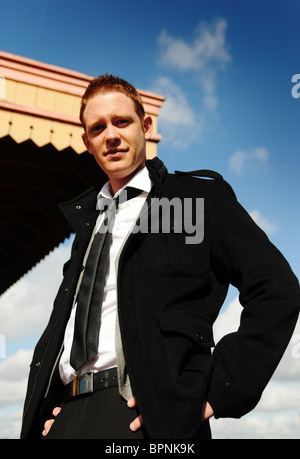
(188, 340)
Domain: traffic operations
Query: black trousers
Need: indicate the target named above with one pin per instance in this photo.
(101, 415)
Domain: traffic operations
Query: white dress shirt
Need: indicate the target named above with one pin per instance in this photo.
(125, 219)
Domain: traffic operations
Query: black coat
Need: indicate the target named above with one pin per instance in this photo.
(169, 295)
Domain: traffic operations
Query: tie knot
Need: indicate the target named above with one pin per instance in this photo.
(107, 205)
(128, 193)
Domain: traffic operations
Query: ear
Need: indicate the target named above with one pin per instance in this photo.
(148, 127)
(86, 142)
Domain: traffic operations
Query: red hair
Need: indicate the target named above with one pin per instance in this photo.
(108, 83)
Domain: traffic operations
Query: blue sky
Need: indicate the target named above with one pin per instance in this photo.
(226, 68)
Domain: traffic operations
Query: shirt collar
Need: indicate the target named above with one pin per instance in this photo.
(141, 180)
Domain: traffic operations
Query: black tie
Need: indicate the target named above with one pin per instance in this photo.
(89, 302)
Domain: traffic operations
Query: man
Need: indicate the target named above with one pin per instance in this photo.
(163, 291)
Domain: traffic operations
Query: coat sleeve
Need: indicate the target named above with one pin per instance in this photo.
(269, 293)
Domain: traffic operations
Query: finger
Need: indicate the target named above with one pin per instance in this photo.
(47, 427)
(48, 424)
(131, 402)
(136, 424)
(56, 411)
(207, 411)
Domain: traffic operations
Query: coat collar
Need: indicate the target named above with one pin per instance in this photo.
(157, 173)
(82, 210)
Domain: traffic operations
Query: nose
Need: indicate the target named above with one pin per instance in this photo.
(112, 135)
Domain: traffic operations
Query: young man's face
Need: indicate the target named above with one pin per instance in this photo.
(116, 136)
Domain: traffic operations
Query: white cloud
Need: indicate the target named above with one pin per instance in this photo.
(10, 423)
(176, 108)
(12, 392)
(263, 222)
(24, 311)
(204, 57)
(237, 161)
(228, 320)
(208, 47)
(16, 366)
(279, 397)
(13, 380)
(258, 426)
(289, 367)
(25, 308)
(178, 122)
(251, 159)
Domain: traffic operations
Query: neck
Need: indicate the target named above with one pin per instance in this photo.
(117, 183)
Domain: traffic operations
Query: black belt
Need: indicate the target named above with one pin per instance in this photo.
(87, 383)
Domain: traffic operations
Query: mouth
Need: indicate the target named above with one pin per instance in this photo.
(116, 152)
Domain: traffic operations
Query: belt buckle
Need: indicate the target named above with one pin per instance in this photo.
(82, 384)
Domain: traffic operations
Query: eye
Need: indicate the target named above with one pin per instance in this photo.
(97, 128)
(123, 122)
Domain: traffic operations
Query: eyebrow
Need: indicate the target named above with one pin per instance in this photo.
(99, 121)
